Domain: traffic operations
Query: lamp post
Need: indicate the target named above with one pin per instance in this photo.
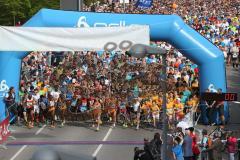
(124, 6)
(164, 107)
(80, 5)
(71, 5)
(140, 51)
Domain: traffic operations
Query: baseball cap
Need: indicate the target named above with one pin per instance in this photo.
(190, 129)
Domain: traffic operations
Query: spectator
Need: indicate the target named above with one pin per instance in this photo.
(156, 144)
(10, 102)
(231, 146)
(139, 154)
(205, 144)
(216, 149)
(187, 145)
(177, 149)
(147, 150)
(195, 148)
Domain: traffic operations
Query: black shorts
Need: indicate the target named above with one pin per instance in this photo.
(234, 60)
(29, 110)
(20, 110)
(24, 109)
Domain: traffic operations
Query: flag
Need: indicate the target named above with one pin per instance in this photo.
(144, 3)
(4, 131)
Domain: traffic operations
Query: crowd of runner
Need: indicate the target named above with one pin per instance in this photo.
(99, 83)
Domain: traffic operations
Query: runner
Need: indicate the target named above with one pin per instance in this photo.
(51, 110)
(96, 112)
(36, 108)
(61, 106)
(155, 113)
(29, 101)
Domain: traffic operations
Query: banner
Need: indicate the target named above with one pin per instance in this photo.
(144, 3)
(124, 1)
(72, 39)
(4, 132)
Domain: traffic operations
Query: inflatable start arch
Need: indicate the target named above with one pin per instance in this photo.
(168, 28)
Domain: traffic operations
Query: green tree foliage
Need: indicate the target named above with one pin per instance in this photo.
(13, 11)
(39, 4)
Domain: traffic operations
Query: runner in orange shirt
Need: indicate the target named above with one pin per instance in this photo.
(178, 109)
(155, 113)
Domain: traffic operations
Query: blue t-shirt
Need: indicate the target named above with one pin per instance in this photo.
(136, 91)
(204, 143)
(181, 66)
(177, 150)
(129, 76)
(183, 99)
(122, 105)
(69, 96)
(186, 93)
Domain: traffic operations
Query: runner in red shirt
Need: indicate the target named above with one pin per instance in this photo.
(29, 106)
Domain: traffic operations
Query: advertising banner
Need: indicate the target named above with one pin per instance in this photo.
(72, 39)
(144, 3)
(4, 132)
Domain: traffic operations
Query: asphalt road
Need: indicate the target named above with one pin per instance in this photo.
(70, 141)
(233, 84)
(75, 134)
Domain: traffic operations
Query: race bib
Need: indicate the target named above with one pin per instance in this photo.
(235, 55)
(51, 103)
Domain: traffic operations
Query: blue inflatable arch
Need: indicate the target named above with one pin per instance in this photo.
(168, 28)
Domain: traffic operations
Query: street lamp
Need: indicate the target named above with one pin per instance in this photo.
(141, 51)
(71, 5)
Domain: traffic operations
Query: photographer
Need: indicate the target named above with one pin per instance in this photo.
(144, 154)
(215, 150)
(155, 146)
(177, 149)
(138, 154)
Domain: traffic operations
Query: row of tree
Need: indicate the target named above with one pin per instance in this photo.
(14, 11)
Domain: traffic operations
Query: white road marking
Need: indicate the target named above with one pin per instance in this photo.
(100, 146)
(25, 146)
(40, 130)
(20, 150)
(236, 102)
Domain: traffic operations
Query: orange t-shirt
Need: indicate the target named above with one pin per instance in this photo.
(155, 108)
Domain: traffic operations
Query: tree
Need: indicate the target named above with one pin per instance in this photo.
(39, 4)
(13, 11)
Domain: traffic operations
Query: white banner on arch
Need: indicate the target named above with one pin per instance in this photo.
(72, 39)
